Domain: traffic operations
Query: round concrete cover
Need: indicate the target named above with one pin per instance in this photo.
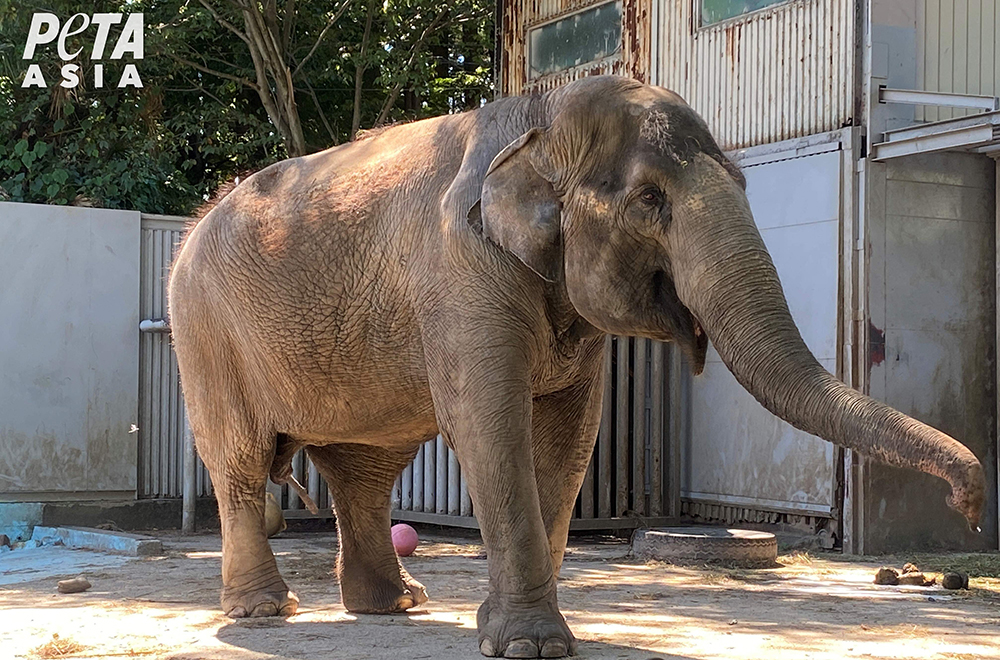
(703, 545)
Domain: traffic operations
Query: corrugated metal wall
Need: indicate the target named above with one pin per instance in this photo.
(957, 51)
(518, 17)
(635, 469)
(161, 406)
(782, 72)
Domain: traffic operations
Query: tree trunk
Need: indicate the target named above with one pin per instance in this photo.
(359, 71)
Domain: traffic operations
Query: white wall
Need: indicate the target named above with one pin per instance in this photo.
(69, 305)
(738, 452)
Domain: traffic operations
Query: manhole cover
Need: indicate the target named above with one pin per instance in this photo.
(706, 545)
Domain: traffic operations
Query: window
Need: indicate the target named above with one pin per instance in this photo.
(586, 36)
(713, 11)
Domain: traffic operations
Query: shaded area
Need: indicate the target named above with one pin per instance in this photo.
(817, 607)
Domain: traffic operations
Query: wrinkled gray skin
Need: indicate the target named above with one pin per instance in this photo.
(458, 275)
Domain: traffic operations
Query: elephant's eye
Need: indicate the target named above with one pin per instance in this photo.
(651, 196)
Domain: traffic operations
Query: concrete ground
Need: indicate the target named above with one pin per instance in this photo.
(812, 607)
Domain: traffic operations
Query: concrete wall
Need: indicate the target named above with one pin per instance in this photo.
(69, 316)
(931, 301)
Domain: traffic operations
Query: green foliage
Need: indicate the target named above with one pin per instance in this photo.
(148, 149)
(165, 147)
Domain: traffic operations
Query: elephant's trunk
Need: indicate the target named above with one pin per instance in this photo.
(731, 286)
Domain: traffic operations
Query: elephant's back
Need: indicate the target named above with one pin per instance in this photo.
(312, 261)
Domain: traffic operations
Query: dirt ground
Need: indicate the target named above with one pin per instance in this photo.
(814, 607)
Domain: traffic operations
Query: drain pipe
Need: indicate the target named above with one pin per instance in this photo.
(190, 476)
(162, 326)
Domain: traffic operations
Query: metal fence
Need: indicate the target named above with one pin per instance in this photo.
(161, 405)
(633, 479)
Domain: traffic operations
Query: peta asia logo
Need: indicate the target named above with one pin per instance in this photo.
(45, 29)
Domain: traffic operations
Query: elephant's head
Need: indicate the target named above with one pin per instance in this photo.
(626, 196)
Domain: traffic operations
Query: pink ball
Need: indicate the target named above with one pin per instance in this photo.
(404, 539)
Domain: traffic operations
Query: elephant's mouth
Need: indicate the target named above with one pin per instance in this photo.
(682, 326)
(698, 348)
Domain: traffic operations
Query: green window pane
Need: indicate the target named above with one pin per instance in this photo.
(583, 37)
(713, 11)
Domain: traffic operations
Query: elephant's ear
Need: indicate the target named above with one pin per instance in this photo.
(519, 208)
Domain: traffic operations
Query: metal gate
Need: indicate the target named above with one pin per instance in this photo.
(633, 479)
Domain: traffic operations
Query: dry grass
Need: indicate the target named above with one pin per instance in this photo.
(58, 647)
(796, 558)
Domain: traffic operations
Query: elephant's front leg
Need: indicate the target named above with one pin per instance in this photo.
(565, 431)
(489, 421)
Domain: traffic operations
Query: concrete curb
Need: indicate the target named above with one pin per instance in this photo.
(87, 538)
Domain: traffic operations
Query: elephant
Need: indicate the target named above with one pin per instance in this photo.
(458, 275)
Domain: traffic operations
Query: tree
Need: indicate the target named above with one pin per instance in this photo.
(165, 147)
(289, 49)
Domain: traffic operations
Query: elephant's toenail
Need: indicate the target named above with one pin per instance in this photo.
(486, 648)
(521, 648)
(288, 610)
(237, 612)
(265, 609)
(554, 648)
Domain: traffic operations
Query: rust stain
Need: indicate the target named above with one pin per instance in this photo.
(519, 16)
(876, 345)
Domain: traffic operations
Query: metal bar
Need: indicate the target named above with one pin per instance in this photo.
(418, 480)
(466, 508)
(951, 100)
(154, 325)
(672, 495)
(406, 482)
(314, 490)
(622, 428)
(656, 427)
(467, 522)
(294, 501)
(604, 437)
(760, 503)
(144, 457)
(960, 138)
(430, 476)
(441, 467)
(639, 428)
(587, 491)
(454, 484)
(190, 480)
(395, 498)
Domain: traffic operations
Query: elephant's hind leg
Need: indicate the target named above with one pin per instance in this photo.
(238, 453)
(360, 478)
(252, 585)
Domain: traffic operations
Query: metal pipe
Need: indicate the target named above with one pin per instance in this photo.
(154, 325)
(190, 480)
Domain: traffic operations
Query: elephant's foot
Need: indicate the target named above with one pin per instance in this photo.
(373, 593)
(273, 599)
(518, 630)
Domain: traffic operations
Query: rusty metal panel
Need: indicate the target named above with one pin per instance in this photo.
(778, 73)
(518, 18)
